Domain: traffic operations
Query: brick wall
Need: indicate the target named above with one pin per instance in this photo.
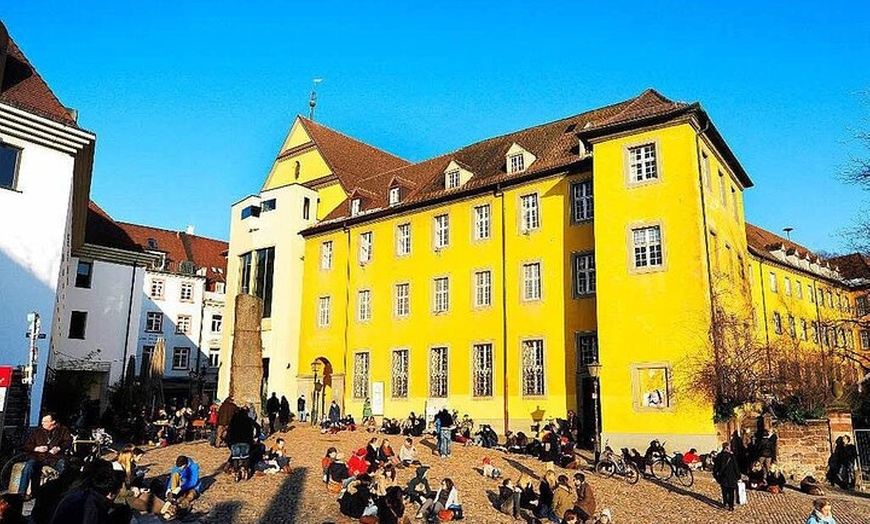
(803, 450)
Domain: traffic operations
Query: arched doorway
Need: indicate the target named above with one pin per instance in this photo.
(321, 368)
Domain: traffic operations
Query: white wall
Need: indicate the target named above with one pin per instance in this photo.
(34, 237)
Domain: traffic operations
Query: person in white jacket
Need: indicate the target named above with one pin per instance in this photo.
(446, 498)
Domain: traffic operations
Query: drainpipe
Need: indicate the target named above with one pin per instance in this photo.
(129, 315)
(500, 194)
(346, 318)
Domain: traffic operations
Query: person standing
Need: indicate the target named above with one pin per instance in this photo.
(45, 447)
(334, 413)
(767, 450)
(284, 413)
(273, 406)
(726, 474)
(300, 408)
(446, 433)
(225, 415)
(367, 411)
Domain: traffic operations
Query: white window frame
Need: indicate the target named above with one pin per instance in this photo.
(400, 365)
(158, 288)
(403, 239)
(183, 324)
(186, 289)
(402, 299)
(533, 360)
(181, 358)
(441, 227)
(582, 201)
(154, 322)
(364, 305)
(361, 375)
(648, 251)
(532, 281)
(324, 313)
(583, 265)
(777, 323)
(482, 370)
(439, 372)
(642, 162)
(451, 179)
(798, 289)
(355, 205)
(366, 243)
(482, 222)
(217, 323)
(786, 285)
(441, 294)
(214, 357)
(864, 337)
(326, 255)
(530, 213)
(516, 163)
(483, 288)
(395, 195)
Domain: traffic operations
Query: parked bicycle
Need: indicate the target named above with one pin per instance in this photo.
(612, 464)
(664, 467)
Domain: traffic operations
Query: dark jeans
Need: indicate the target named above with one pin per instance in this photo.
(729, 494)
(32, 472)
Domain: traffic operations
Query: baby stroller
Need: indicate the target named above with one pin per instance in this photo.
(240, 461)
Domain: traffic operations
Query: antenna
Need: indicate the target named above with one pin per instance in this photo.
(312, 100)
(788, 231)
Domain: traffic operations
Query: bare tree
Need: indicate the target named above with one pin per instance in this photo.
(858, 174)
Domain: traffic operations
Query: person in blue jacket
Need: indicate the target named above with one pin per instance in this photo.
(184, 485)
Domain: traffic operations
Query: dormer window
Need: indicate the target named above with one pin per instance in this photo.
(354, 207)
(394, 195)
(516, 163)
(451, 179)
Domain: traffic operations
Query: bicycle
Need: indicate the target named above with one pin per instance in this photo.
(612, 464)
(665, 468)
(98, 446)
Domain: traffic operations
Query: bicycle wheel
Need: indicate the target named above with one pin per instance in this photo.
(605, 468)
(662, 469)
(632, 474)
(684, 476)
(6, 472)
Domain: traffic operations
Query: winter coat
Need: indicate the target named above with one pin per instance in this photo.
(407, 454)
(505, 502)
(241, 429)
(725, 470)
(273, 405)
(355, 500)
(337, 471)
(817, 518)
(563, 500)
(226, 412)
(388, 514)
(452, 498)
(300, 404)
(586, 499)
(58, 437)
(334, 413)
(546, 494)
(357, 465)
(767, 447)
(418, 487)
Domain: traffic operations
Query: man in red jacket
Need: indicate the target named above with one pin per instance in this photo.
(47, 446)
(357, 464)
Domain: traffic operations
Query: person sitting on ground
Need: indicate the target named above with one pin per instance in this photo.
(418, 489)
(391, 507)
(46, 446)
(278, 455)
(53, 491)
(408, 453)
(132, 492)
(184, 485)
(258, 455)
(564, 498)
(372, 454)
(692, 459)
(528, 496)
(604, 517)
(775, 479)
(811, 486)
(584, 507)
(508, 501)
(821, 513)
(337, 473)
(356, 464)
(91, 501)
(545, 497)
(356, 501)
(570, 518)
(489, 469)
(756, 478)
(653, 452)
(383, 479)
(445, 499)
(326, 461)
(386, 455)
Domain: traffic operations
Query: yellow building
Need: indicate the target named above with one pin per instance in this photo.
(489, 279)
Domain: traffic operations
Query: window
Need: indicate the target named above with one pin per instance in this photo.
(438, 372)
(323, 311)
(326, 255)
(651, 387)
(714, 251)
(533, 367)
(742, 267)
(642, 164)
(647, 246)
(516, 163)
(182, 326)
(268, 205)
(265, 277)
(773, 286)
(482, 370)
(78, 323)
(777, 323)
(361, 375)
(587, 349)
(187, 291)
(734, 206)
(442, 295)
(365, 247)
(830, 299)
(815, 327)
(531, 213)
(145, 366)
(306, 208)
(792, 330)
(584, 274)
(451, 179)
(250, 211)
(482, 288)
(864, 336)
(364, 305)
(403, 239)
(820, 297)
(354, 207)
(787, 286)
(798, 289)
(581, 201)
(481, 222)
(154, 322)
(246, 263)
(157, 286)
(400, 373)
(705, 170)
(180, 358)
(84, 273)
(861, 304)
(9, 166)
(214, 357)
(442, 231)
(403, 299)
(811, 295)
(723, 197)
(532, 281)
(394, 195)
(217, 322)
(297, 170)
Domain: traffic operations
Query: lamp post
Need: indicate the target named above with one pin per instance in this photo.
(315, 367)
(595, 372)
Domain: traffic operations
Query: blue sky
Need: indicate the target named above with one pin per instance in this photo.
(191, 100)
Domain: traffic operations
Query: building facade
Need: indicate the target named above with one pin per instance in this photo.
(45, 175)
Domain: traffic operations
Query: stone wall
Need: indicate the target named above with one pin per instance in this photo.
(803, 449)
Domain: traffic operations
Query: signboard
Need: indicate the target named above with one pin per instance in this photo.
(377, 398)
(5, 376)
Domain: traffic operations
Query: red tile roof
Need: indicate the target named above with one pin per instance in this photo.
(762, 242)
(102, 230)
(24, 88)
(853, 267)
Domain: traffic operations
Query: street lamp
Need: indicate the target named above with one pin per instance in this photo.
(595, 372)
(315, 367)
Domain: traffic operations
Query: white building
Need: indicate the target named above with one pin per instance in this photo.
(45, 176)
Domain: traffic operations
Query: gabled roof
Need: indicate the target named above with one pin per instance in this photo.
(349, 159)
(24, 88)
(102, 230)
(762, 242)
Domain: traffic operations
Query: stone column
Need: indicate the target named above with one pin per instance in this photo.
(246, 369)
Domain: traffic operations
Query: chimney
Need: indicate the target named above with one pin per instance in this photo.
(190, 230)
(4, 48)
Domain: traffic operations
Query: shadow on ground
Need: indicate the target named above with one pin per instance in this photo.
(284, 507)
(676, 489)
